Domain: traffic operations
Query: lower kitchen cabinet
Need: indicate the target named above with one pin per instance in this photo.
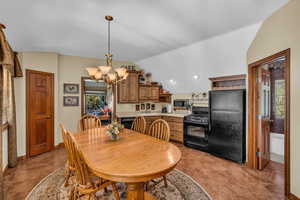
(175, 124)
(176, 128)
(150, 120)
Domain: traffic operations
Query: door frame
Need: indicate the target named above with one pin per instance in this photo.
(28, 71)
(252, 113)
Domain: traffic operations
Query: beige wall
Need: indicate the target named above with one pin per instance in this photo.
(46, 62)
(279, 32)
(66, 69)
(71, 69)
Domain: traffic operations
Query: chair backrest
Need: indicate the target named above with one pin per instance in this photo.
(67, 145)
(139, 124)
(89, 122)
(160, 129)
(81, 168)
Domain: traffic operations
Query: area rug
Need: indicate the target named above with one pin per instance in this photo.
(180, 187)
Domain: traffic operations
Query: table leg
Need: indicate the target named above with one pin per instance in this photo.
(135, 191)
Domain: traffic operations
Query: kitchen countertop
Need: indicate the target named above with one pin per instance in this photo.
(133, 114)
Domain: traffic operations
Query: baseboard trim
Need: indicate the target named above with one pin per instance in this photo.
(60, 145)
(5, 169)
(24, 157)
(293, 197)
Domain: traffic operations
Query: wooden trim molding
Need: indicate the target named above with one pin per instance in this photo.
(252, 137)
(293, 197)
(5, 126)
(230, 78)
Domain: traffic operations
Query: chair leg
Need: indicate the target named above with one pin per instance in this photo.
(146, 186)
(67, 178)
(115, 191)
(165, 181)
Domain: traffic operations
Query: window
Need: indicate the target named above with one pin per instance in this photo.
(280, 98)
(95, 97)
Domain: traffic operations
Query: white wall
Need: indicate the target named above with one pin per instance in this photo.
(219, 56)
(277, 143)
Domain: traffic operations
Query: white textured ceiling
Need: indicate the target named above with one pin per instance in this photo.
(142, 28)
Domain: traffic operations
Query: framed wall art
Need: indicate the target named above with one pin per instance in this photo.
(71, 88)
(71, 101)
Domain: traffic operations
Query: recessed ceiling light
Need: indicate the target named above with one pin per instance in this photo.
(196, 77)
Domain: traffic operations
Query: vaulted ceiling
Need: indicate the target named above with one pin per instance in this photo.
(142, 28)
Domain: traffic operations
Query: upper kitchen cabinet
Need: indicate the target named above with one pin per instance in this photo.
(234, 82)
(149, 93)
(128, 90)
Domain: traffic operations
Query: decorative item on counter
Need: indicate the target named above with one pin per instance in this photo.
(153, 106)
(137, 107)
(114, 129)
(143, 107)
(141, 79)
(148, 106)
(130, 67)
(148, 77)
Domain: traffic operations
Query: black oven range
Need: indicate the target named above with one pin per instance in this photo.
(196, 128)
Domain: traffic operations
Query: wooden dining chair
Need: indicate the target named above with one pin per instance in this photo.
(89, 122)
(139, 124)
(86, 183)
(159, 129)
(69, 167)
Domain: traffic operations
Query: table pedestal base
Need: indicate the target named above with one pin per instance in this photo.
(135, 191)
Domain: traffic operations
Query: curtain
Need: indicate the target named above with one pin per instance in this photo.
(1, 153)
(9, 68)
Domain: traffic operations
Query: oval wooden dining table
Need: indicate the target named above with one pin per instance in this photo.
(134, 158)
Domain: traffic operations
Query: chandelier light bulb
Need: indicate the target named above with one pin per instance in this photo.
(98, 75)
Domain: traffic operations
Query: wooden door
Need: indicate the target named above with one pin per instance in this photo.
(40, 112)
(264, 108)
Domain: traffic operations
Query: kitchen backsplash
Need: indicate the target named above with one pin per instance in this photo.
(196, 99)
(122, 108)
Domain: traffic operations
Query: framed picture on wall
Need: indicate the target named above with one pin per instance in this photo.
(71, 88)
(71, 101)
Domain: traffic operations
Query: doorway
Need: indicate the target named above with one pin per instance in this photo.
(39, 112)
(269, 113)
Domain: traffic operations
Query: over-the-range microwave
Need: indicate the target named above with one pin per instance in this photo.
(180, 104)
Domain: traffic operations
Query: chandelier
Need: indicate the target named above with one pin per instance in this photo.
(107, 73)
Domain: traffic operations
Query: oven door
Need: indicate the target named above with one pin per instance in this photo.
(196, 136)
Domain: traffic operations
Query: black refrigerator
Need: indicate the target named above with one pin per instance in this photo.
(227, 137)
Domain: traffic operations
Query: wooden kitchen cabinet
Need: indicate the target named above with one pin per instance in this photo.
(175, 124)
(149, 121)
(154, 93)
(176, 128)
(144, 93)
(148, 93)
(128, 90)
